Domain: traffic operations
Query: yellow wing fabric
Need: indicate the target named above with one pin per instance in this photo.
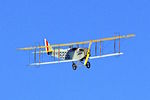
(84, 42)
(35, 47)
(32, 48)
(98, 40)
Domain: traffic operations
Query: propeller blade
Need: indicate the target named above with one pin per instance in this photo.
(88, 54)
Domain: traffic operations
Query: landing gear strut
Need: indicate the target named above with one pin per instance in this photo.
(88, 65)
(74, 66)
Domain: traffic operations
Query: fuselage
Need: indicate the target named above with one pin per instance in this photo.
(70, 54)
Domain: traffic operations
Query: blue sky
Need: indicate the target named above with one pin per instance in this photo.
(25, 23)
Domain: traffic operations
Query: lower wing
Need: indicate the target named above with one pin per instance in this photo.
(107, 55)
(64, 61)
(53, 62)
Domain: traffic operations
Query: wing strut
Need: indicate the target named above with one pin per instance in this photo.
(54, 54)
(114, 44)
(39, 54)
(35, 55)
(119, 43)
(95, 48)
(88, 54)
(100, 48)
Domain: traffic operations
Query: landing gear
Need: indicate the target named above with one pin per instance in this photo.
(88, 65)
(74, 66)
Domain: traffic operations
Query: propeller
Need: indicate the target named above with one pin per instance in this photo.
(88, 54)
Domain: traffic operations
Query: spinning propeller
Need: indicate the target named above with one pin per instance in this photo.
(88, 54)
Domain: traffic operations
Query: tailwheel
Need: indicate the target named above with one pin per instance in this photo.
(74, 66)
(88, 65)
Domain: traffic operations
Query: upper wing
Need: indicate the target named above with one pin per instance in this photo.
(107, 55)
(32, 48)
(53, 62)
(84, 42)
(98, 40)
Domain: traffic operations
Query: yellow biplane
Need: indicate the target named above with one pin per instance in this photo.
(72, 54)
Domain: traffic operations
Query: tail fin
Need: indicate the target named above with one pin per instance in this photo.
(48, 48)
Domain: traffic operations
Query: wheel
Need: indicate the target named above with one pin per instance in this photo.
(74, 66)
(88, 65)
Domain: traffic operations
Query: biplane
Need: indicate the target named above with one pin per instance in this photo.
(72, 52)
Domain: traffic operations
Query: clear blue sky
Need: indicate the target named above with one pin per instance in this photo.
(27, 22)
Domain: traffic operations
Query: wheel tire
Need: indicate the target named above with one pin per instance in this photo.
(74, 66)
(88, 65)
